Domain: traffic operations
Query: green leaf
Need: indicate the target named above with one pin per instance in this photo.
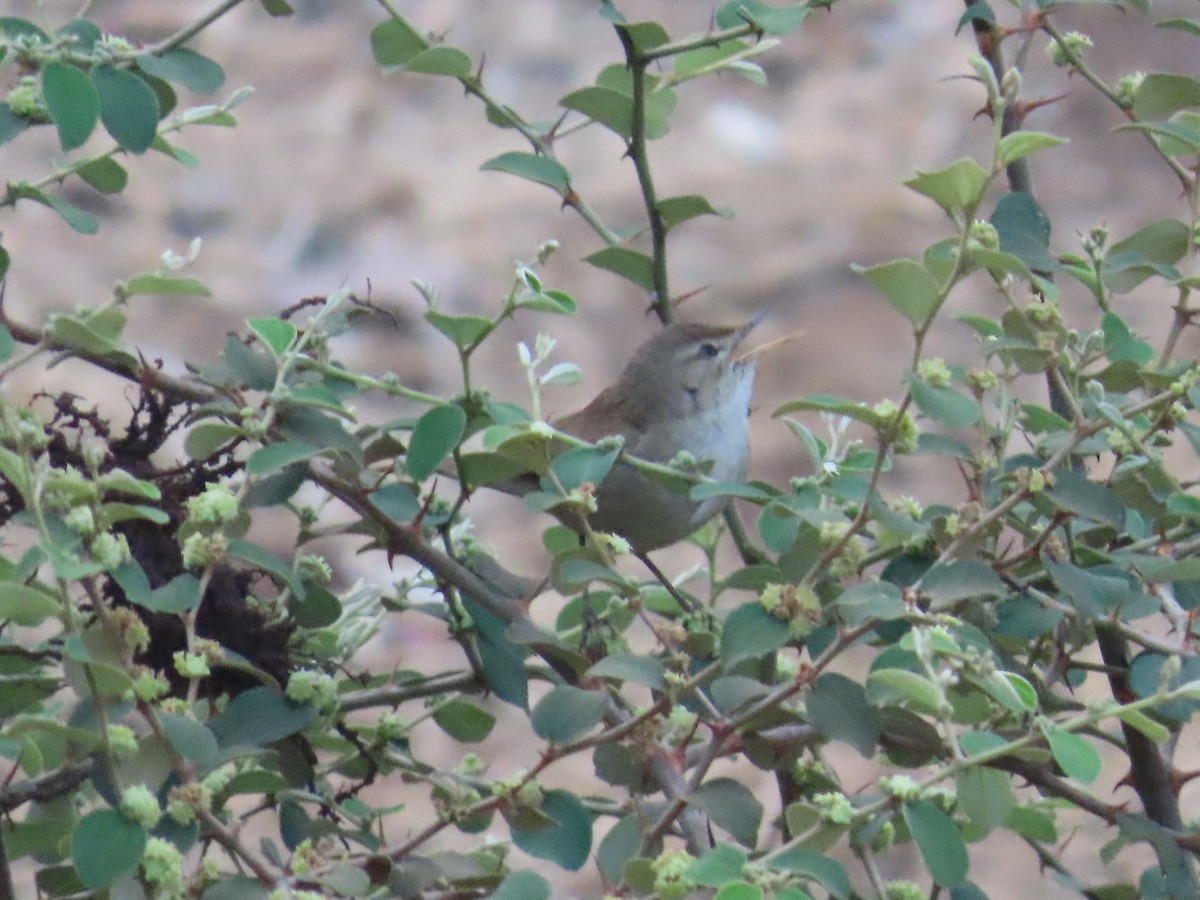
(566, 713)
(956, 188)
(180, 594)
(183, 66)
(720, 865)
(568, 842)
(1012, 690)
(462, 330)
(959, 579)
(13, 27)
(532, 167)
(1020, 144)
(731, 806)
(1024, 230)
(113, 512)
(71, 333)
(7, 342)
(886, 686)
(1094, 592)
(629, 264)
(1031, 823)
(644, 35)
(907, 285)
(1039, 420)
(551, 301)
(105, 175)
(72, 101)
(837, 707)
(830, 403)
(190, 739)
(267, 561)
(394, 43)
(707, 59)
(581, 465)
(776, 20)
(751, 631)
(1073, 493)
(437, 432)
(275, 333)
(78, 219)
(985, 795)
(84, 33)
(829, 872)
(522, 886)
(629, 667)
(1180, 136)
(260, 716)
(306, 424)
(441, 61)
(25, 605)
(944, 404)
(1155, 731)
(1188, 26)
(1151, 250)
(939, 841)
(707, 489)
(613, 109)
(617, 847)
(1166, 569)
(1078, 758)
(105, 846)
(206, 438)
(153, 283)
(128, 108)
(11, 125)
(397, 501)
(275, 489)
(273, 457)
(1159, 94)
(675, 210)
(319, 608)
(464, 721)
(871, 599)
(1121, 345)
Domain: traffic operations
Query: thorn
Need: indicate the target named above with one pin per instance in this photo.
(550, 135)
(684, 298)
(1025, 107)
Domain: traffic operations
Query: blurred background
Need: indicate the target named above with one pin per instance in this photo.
(339, 175)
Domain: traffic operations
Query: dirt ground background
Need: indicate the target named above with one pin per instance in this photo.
(338, 174)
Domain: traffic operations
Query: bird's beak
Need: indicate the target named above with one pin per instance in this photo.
(754, 353)
(750, 325)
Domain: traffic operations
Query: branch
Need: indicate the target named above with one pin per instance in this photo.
(637, 63)
(408, 542)
(143, 374)
(47, 787)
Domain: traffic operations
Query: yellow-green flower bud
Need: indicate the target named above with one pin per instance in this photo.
(139, 805)
(1072, 47)
(162, 864)
(934, 372)
(121, 740)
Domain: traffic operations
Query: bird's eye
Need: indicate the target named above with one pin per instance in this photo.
(709, 350)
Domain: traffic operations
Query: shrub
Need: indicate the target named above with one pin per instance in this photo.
(168, 677)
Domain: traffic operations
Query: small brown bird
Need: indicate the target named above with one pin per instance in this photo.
(684, 390)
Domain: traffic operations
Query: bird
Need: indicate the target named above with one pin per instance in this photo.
(684, 389)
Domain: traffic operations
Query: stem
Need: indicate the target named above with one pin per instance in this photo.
(637, 63)
(185, 34)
